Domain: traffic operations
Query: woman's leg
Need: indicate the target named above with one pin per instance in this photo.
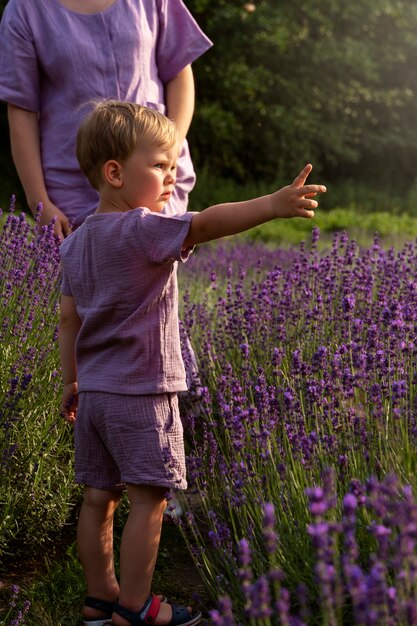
(95, 545)
(139, 550)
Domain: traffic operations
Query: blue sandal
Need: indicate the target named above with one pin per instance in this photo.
(101, 605)
(181, 616)
(106, 607)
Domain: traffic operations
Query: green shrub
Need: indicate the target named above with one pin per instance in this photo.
(36, 488)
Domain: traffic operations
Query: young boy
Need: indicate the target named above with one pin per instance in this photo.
(120, 349)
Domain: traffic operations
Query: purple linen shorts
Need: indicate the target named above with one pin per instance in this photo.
(136, 440)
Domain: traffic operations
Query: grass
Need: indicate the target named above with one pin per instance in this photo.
(393, 230)
(55, 587)
(359, 209)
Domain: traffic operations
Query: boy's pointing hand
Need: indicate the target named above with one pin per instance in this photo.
(295, 200)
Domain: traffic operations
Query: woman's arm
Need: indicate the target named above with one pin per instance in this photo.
(25, 144)
(179, 99)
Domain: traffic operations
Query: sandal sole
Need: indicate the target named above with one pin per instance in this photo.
(196, 620)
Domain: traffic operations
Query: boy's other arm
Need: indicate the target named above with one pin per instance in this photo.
(69, 326)
(221, 220)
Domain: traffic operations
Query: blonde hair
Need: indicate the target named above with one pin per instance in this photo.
(113, 129)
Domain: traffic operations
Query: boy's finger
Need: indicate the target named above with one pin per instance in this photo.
(307, 190)
(302, 176)
(309, 204)
(306, 213)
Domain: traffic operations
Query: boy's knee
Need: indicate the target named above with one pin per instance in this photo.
(147, 494)
(101, 498)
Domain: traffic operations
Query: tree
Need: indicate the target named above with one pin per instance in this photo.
(290, 81)
(324, 81)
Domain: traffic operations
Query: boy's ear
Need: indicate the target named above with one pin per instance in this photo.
(112, 173)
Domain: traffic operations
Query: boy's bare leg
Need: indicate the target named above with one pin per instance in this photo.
(139, 550)
(95, 545)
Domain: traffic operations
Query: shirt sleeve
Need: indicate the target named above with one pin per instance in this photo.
(65, 285)
(180, 40)
(19, 75)
(162, 236)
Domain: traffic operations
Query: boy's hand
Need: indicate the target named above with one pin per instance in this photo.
(295, 200)
(69, 402)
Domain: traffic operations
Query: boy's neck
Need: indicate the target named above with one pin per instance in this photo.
(108, 204)
(111, 209)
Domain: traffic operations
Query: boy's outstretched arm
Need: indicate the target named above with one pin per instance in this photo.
(69, 326)
(218, 221)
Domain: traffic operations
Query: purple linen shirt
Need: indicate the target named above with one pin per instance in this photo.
(121, 269)
(55, 61)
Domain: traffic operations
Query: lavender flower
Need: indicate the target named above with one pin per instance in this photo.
(270, 537)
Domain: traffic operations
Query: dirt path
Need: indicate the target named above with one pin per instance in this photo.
(176, 575)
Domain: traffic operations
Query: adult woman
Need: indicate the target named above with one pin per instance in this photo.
(56, 56)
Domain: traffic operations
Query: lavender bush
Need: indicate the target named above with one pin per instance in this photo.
(15, 610)
(35, 458)
(379, 590)
(306, 360)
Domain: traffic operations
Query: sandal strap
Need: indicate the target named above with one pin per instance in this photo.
(152, 610)
(146, 615)
(100, 605)
(181, 616)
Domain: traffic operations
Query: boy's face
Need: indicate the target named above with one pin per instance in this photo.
(149, 176)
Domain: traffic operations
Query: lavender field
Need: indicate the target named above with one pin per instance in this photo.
(300, 425)
(302, 459)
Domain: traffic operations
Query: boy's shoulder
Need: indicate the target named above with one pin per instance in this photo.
(108, 224)
(100, 223)
(71, 239)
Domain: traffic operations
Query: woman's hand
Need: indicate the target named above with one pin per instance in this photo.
(62, 227)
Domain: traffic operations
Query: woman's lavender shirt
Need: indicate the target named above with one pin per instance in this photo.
(121, 269)
(54, 61)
